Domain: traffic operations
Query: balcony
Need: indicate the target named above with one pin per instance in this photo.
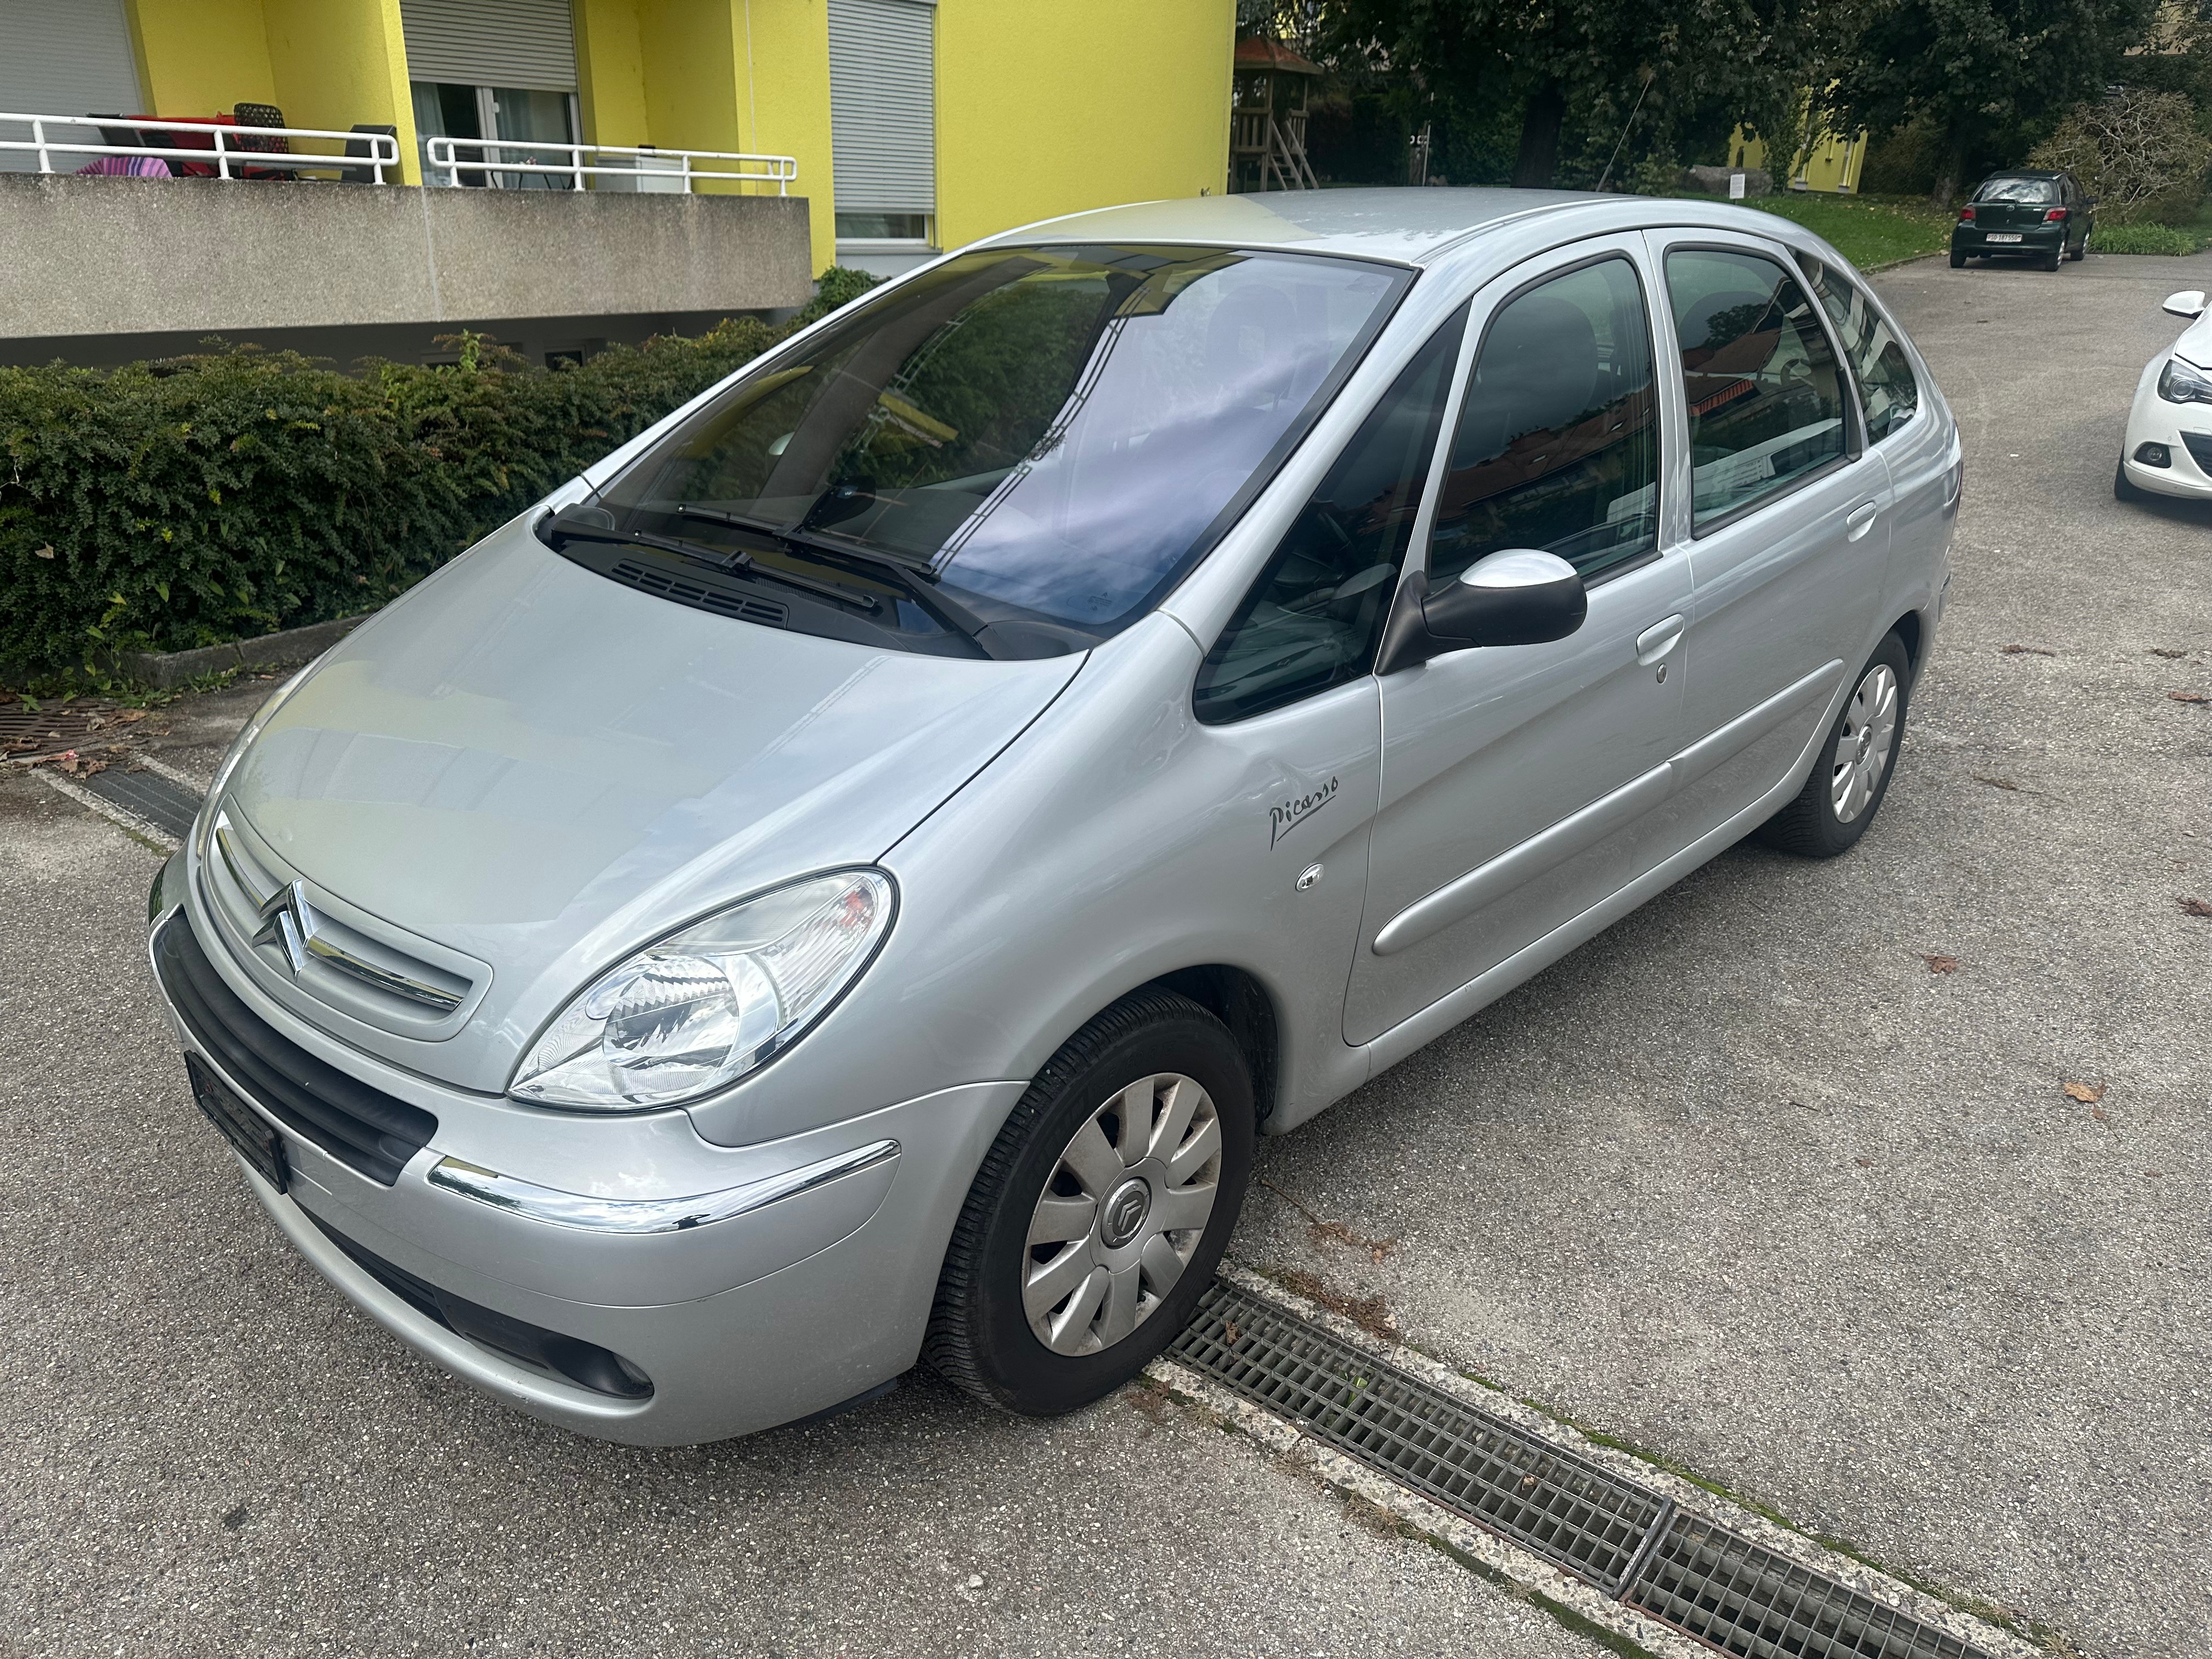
(297, 236)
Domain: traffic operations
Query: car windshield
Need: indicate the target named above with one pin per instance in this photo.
(2036, 191)
(1024, 446)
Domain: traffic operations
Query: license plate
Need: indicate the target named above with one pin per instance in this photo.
(261, 1146)
(2002, 236)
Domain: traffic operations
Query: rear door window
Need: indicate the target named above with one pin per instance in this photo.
(1888, 391)
(1764, 391)
(1557, 442)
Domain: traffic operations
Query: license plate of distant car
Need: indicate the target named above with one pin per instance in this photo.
(2003, 236)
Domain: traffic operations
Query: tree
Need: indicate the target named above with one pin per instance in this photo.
(1576, 68)
(2135, 151)
(1987, 77)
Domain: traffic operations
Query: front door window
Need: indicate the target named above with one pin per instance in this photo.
(1557, 443)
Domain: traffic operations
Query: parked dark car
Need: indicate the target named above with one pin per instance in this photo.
(2043, 216)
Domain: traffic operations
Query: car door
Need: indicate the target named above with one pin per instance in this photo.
(1789, 520)
(1517, 782)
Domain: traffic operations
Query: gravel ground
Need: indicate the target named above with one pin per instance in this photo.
(1744, 1182)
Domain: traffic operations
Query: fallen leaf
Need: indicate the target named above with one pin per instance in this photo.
(2025, 651)
(2097, 1112)
(2087, 1094)
(2189, 696)
(1864, 1162)
(1998, 783)
(2194, 907)
(2158, 651)
(1231, 1334)
(128, 716)
(1939, 964)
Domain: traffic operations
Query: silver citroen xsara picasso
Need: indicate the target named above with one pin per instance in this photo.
(842, 882)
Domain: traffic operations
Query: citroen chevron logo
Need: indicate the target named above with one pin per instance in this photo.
(289, 920)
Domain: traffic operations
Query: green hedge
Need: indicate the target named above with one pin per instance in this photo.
(167, 504)
(2144, 238)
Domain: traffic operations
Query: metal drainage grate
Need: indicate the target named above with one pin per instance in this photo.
(1566, 1510)
(1615, 1536)
(1746, 1599)
(162, 802)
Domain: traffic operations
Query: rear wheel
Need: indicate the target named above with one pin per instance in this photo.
(2056, 258)
(1958, 260)
(1100, 1212)
(1852, 773)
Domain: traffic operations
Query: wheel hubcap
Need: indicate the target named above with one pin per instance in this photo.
(1122, 1214)
(1869, 734)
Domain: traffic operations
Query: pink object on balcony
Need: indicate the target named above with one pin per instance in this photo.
(128, 166)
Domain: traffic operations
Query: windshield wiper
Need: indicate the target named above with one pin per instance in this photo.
(920, 586)
(736, 560)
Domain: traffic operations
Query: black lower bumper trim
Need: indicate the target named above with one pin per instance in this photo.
(586, 1364)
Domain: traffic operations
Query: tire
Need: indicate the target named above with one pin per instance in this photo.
(995, 1282)
(1831, 812)
(2080, 249)
(1958, 262)
(2124, 488)
(2056, 258)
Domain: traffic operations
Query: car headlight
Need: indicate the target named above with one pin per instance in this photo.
(704, 1006)
(2183, 383)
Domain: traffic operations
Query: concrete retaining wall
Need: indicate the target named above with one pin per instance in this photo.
(109, 256)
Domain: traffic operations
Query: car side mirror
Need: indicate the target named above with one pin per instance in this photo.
(1517, 597)
(2190, 302)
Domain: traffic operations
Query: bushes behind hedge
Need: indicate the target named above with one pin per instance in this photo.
(167, 504)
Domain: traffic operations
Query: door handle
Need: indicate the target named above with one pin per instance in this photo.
(1860, 517)
(1656, 641)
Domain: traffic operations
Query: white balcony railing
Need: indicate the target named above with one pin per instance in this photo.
(511, 165)
(233, 150)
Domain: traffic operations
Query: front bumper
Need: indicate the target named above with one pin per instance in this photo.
(802, 1295)
(2185, 432)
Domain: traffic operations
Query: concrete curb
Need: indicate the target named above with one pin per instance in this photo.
(166, 669)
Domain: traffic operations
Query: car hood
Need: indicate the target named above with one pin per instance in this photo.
(539, 768)
(2195, 345)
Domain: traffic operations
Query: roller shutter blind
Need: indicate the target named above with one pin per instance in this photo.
(63, 59)
(883, 106)
(529, 45)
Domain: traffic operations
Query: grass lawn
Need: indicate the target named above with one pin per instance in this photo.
(1870, 231)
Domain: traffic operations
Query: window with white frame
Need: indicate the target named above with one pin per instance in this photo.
(883, 122)
(499, 71)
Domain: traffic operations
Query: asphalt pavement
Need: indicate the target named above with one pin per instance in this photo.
(1779, 1180)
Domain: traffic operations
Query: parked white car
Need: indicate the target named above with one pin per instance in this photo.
(2168, 451)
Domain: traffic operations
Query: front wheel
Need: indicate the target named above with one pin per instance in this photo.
(1100, 1212)
(1853, 771)
(2124, 489)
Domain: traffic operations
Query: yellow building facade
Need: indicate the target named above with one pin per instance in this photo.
(1831, 166)
(945, 121)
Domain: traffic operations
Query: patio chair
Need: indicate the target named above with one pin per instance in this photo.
(361, 150)
(263, 115)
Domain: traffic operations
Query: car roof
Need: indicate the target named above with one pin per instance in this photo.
(1408, 225)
